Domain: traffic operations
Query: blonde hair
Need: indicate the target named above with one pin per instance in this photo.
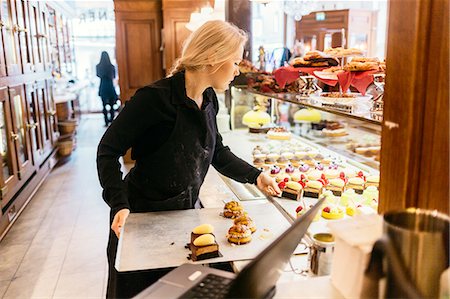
(213, 43)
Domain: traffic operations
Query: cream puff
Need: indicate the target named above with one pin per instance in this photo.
(233, 209)
(239, 234)
(247, 221)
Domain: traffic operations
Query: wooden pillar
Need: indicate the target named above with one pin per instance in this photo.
(239, 12)
(415, 135)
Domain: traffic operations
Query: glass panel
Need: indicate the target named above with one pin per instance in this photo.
(33, 115)
(23, 38)
(4, 144)
(42, 113)
(9, 34)
(34, 28)
(20, 128)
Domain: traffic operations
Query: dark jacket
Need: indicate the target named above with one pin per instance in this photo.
(173, 143)
(106, 90)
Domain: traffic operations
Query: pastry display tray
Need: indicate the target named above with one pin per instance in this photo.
(157, 239)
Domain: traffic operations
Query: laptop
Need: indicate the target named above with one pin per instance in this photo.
(256, 280)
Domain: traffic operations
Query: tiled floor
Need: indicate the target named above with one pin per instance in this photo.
(57, 247)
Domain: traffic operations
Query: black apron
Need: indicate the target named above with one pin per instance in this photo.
(186, 157)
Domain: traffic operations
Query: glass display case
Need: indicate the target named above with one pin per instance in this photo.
(358, 137)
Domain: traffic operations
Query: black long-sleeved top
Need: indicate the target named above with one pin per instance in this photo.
(173, 143)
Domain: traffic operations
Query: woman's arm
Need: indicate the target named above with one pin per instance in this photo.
(130, 124)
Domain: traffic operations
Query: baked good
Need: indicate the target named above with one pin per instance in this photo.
(313, 189)
(239, 234)
(304, 167)
(336, 186)
(365, 59)
(247, 221)
(372, 180)
(295, 161)
(300, 210)
(314, 175)
(258, 162)
(354, 66)
(357, 184)
(331, 173)
(274, 170)
(289, 168)
(335, 132)
(293, 190)
(306, 159)
(282, 161)
(233, 209)
(204, 247)
(279, 133)
(203, 244)
(332, 212)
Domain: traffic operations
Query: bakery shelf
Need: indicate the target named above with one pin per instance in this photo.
(307, 102)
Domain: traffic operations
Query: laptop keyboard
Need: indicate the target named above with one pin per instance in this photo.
(211, 286)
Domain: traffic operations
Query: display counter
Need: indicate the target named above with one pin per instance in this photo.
(167, 233)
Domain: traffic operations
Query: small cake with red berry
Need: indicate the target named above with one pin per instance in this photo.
(336, 186)
(289, 168)
(292, 190)
(300, 210)
(313, 189)
(332, 212)
(331, 173)
(304, 167)
(279, 133)
(274, 170)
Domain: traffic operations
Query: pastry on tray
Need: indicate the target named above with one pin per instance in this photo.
(247, 221)
(292, 190)
(233, 209)
(203, 244)
(239, 234)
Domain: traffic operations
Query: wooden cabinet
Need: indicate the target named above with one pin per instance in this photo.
(10, 36)
(9, 178)
(34, 123)
(20, 131)
(23, 21)
(36, 37)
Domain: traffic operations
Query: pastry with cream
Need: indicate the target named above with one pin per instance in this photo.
(239, 234)
(203, 243)
(313, 189)
(336, 186)
(247, 221)
(357, 184)
(292, 190)
(233, 209)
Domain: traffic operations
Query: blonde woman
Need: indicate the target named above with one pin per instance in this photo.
(171, 128)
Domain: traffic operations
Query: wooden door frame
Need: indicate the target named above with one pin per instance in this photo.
(415, 136)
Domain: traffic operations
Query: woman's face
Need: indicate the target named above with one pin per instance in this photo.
(226, 72)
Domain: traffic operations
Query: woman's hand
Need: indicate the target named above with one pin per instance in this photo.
(119, 221)
(267, 184)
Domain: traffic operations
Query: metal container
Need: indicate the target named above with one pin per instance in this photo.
(321, 254)
(421, 239)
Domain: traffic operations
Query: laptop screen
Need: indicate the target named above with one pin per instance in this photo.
(258, 278)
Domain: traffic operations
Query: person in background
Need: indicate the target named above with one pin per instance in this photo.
(171, 129)
(107, 72)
